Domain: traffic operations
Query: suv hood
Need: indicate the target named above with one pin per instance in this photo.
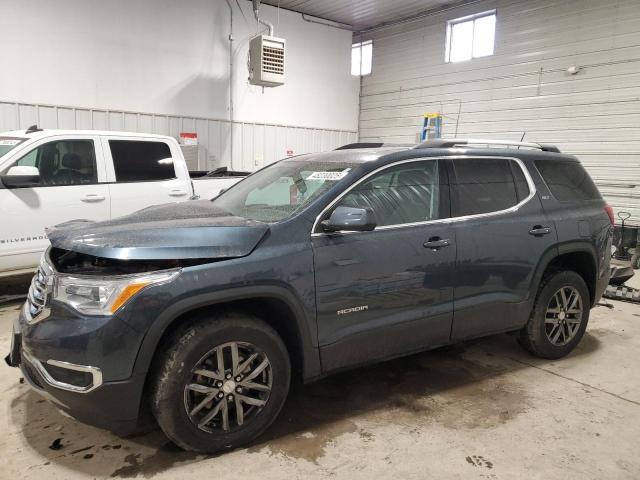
(186, 230)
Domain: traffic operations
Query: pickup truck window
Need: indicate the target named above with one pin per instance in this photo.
(141, 161)
(406, 193)
(7, 144)
(282, 189)
(63, 162)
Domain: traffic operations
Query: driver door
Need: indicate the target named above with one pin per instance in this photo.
(389, 291)
(70, 188)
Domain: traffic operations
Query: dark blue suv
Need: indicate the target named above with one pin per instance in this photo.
(202, 312)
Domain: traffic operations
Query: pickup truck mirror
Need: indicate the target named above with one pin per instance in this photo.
(350, 219)
(20, 177)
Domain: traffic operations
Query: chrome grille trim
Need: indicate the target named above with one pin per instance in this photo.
(39, 291)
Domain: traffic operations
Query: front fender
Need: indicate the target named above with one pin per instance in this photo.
(310, 355)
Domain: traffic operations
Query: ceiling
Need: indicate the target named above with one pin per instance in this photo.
(361, 14)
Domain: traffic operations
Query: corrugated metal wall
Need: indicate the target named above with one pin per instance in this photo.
(524, 87)
(255, 144)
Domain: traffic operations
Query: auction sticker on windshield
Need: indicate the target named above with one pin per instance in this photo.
(9, 142)
(332, 176)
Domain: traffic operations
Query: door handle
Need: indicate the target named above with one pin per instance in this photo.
(539, 231)
(177, 193)
(435, 243)
(92, 197)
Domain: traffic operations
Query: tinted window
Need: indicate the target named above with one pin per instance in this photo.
(483, 185)
(406, 193)
(568, 181)
(139, 161)
(65, 162)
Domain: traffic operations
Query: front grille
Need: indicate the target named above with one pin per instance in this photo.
(37, 297)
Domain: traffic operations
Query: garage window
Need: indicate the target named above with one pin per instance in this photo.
(140, 161)
(470, 37)
(361, 58)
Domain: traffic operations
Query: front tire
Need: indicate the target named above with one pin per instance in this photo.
(221, 382)
(559, 317)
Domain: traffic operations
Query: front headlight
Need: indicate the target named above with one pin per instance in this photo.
(104, 295)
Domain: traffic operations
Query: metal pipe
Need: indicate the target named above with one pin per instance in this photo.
(231, 77)
(340, 25)
(256, 12)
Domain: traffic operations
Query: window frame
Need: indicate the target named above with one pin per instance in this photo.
(360, 46)
(29, 148)
(316, 232)
(468, 18)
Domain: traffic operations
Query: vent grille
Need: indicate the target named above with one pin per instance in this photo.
(273, 60)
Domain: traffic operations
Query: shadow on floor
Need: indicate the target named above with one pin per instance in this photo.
(460, 387)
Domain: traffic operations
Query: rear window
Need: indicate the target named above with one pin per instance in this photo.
(485, 185)
(140, 161)
(568, 181)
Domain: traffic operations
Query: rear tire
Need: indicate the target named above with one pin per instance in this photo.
(559, 317)
(220, 383)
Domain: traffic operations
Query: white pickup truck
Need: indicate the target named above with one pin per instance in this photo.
(51, 176)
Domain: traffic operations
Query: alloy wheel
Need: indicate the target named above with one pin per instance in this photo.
(563, 316)
(229, 386)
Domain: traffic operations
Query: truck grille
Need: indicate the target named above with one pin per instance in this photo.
(38, 292)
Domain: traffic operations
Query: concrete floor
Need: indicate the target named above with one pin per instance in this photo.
(483, 410)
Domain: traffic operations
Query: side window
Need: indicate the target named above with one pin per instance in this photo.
(568, 181)
(483, 185)
(64, 162)
(406, 193)
(141, 161)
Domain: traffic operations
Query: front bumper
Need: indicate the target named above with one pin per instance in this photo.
(57, 362)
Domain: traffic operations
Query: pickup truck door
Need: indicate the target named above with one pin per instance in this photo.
(388, 291)
(144, 172)
(72, 186)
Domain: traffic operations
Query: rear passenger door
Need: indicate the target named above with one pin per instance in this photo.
(501, 233)
(142, 173)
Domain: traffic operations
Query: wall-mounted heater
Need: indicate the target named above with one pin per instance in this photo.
(266, 61)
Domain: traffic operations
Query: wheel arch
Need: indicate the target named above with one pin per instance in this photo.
(579, 257)
(275, 305)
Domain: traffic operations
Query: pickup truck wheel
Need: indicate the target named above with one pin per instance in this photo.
(559, 317)
(221, 382)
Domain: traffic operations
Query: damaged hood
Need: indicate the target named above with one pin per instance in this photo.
(186, 230)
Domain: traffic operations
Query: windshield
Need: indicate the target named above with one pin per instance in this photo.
(284, 188)
(8, 143)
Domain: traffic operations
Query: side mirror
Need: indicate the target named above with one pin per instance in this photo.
(20, 177)
(350, 219)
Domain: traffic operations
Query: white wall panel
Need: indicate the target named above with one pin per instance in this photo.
(255, 145)
(172, 57)
(524, 87)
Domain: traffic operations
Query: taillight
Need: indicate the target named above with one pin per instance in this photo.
(609, 209)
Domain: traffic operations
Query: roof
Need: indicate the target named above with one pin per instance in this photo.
(50, 132)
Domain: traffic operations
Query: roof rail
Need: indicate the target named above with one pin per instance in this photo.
(350, 146)
(454, 142)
